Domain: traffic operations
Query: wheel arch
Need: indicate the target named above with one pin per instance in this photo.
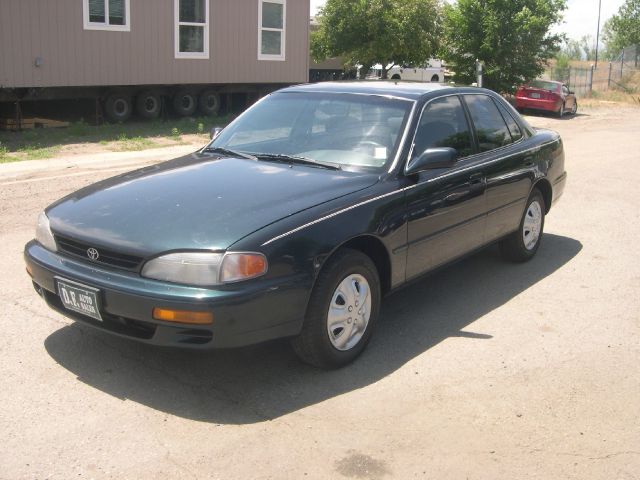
(375, 249)
(544, 186)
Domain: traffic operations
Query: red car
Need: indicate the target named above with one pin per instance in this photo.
(548, 96)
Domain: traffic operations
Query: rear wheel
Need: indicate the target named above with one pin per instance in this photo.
(395, 77)
(574, 109)
(342, 312)
(435, 78)
(185, 103)
(148, 105)
(209, 102)
(118, 107)
(523, 244)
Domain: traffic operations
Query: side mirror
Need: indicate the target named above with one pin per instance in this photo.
(215, 131)
(432, 158)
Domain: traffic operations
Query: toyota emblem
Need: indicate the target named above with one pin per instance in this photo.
(93, 254)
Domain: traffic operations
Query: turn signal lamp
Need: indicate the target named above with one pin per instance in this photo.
(242, 266)
(183, 316)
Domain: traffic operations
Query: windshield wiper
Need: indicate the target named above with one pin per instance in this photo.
(280, 157)
(229, 153)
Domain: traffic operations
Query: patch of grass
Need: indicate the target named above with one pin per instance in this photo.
(37, 152)
(134, 135)
(136, 144)
(4, 155)
(606, 98)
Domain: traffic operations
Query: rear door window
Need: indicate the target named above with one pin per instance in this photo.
(514, 129)
(491, 129)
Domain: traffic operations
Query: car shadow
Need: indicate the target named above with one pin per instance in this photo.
(267, 381)
(568, 116)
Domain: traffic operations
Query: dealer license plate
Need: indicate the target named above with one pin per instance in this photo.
(534, 95)
(79, 298)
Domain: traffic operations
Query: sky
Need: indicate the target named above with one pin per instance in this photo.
(580, 18)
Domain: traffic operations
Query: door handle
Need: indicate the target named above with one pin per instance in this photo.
(477, 178)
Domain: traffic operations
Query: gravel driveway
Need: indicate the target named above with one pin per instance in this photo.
(485, 370)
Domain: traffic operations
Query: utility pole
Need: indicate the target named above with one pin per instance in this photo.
(598, 32)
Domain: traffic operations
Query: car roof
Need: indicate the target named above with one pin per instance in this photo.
(407, 90)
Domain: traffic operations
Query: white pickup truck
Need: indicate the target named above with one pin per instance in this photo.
(433, 72)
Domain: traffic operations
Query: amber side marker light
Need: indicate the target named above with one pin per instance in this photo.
(183, 316)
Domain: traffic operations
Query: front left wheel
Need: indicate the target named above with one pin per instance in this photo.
(342, 311)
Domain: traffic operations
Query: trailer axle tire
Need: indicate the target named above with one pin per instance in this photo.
(185, 103)
(209, 103)
(149, 104)
(118, 107)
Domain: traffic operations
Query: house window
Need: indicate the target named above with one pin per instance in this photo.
(106, 15)
(272, 28)
(192, 28)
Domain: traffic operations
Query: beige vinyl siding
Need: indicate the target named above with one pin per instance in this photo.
(72, 56)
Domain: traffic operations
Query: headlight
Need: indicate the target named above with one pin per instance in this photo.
(205, 268)
(43, 233)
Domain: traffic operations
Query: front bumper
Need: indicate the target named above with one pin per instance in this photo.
(244, 314)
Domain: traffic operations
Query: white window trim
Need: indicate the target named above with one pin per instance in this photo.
(105, 25)
(282, 56)
(191, 55)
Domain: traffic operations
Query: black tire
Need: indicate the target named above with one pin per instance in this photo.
(395, 77)
(435, 78)
(149, 104)
(561, 111)
(314, 345)
(118, 107)
(513, 247)
(185, 103)
(574, 109)
(209, 103)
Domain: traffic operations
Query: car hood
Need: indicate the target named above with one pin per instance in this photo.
(195, 202)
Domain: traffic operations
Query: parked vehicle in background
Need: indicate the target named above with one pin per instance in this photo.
(432, 72)
(299, 217)
(548, 96)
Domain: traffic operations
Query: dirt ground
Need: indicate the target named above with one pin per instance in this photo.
(485, 370)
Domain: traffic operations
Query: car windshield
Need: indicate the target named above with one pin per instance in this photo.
(348, 130)
(552, 87)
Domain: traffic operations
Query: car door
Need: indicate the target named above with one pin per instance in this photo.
(507, 163)
(445, 207)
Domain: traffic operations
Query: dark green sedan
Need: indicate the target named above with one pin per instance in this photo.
(299, 217)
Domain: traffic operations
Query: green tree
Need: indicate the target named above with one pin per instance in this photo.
(388, 32)
(511, 37)
(571, 49)
(623, 29)
(583, 49)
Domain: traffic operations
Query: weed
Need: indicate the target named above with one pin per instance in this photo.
(136, 144)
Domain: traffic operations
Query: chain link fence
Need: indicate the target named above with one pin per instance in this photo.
(623, 73)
